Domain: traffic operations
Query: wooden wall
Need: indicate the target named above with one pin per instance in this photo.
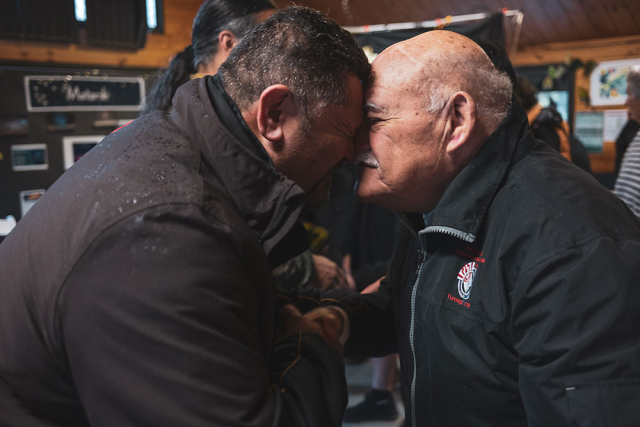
(598, 50)
(178, 16)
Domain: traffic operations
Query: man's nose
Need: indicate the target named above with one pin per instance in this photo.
(350, 156)
(362, 138)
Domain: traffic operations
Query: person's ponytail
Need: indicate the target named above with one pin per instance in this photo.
(178, 73)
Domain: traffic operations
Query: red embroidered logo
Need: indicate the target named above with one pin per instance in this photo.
(458, 301)
(465, 279)
(471, 253)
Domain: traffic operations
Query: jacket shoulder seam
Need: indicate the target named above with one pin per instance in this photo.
(560, 252)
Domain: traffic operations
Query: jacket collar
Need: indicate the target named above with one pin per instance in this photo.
(463, 206)
(268, 202)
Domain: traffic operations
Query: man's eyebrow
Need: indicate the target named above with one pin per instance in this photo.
(373, 108)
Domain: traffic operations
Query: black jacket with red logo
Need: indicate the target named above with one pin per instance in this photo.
(518, 304)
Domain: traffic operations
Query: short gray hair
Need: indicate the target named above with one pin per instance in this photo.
(633, 80)
(490, 89)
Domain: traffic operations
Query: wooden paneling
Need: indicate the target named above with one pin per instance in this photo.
(546, 21)
(178, 15)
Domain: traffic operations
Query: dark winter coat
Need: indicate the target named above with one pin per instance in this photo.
(138, 291)
(517, 303)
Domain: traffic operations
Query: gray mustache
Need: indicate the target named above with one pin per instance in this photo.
(367, 158)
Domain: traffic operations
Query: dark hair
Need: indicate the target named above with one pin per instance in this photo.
(526, 93)
(214, 16)
(301, 49)
(499, 57)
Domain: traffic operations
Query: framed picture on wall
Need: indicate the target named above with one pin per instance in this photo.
(28, 199)
(29, 157)
(74, 147)
(609, 82)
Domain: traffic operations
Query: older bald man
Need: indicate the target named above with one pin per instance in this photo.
(514, 295)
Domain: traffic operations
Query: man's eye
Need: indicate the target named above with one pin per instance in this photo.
(374, 123)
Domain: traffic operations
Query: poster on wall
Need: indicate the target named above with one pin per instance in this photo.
(74, 147)
(71, 93)
(14, 126)
(28, 199)
(609, 82)
(29, 157)
(589, 130)
(614, 121)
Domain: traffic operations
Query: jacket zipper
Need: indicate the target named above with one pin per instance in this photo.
(411, 336)
(467, 237)
(413, 317)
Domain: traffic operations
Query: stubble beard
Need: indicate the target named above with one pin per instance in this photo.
(318, 196)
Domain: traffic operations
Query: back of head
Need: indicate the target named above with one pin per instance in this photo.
(213, 17)
(633, 82)
(499, 57)
(526, 93)
(301, 49)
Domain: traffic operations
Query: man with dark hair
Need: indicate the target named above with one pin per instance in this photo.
(139, 290)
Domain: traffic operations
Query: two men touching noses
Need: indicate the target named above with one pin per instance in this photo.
(161, 309)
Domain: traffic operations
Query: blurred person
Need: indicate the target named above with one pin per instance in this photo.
(623, 140)
(514, 288)
(372, 234)
(627, 185)
(217, 28)
(139, 290)
(547, 125)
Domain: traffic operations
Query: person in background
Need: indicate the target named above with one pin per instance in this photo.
(139, 290)
(627, 185)
(623, 140)
(373, 231)
(218, 27)
(547, 125)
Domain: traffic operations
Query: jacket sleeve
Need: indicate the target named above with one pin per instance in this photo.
(575, 324)
(161, 320)
(372, 317)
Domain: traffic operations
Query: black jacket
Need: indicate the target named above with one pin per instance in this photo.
(517, 304)
(138, 291)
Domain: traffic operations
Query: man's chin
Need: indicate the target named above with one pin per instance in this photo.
(319, 195)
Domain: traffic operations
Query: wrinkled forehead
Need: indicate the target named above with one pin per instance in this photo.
(393, 69)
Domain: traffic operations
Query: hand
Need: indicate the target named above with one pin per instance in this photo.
(373, 287)
(328, 274)
(323, 321)
(346, 266)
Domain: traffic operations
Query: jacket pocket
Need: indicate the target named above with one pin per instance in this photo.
(604, 403)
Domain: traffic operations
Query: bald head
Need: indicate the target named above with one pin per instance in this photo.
(438, 64)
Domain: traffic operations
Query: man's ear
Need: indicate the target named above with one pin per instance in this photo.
(226, 41)
(462, 115)
(276, 107)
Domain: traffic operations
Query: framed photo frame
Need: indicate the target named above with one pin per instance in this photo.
(609, 82)
(28, 199)
(29, 157)
(74, 147)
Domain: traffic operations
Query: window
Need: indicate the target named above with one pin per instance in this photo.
(153, 7)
